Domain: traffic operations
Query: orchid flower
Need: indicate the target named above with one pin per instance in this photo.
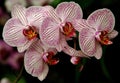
(57, 28)
(37, 59)
(97, 30)
(22, 29)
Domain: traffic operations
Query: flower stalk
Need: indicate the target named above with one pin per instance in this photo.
(19, 75)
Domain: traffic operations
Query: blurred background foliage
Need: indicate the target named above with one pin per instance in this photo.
(105, 70)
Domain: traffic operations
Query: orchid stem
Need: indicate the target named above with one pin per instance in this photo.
(78, 70)
(74, 43)
(19, 75)
(81, 64)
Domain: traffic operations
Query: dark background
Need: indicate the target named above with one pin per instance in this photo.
(94, 70)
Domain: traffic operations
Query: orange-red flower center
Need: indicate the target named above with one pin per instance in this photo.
(104, 39)
(50, 59)
(30, 33)
(68, 30)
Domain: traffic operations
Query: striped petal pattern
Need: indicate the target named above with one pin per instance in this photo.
(18, 11)
(72, 52)
(113, 34)
(44, 73)
(33, 61)
(102, 19)
(50, 12)
(98, 53)
(24, 47)
(80, 24)
(69, 11)
(87, 41)
(49, 33)
(34, 15)
(12, 33)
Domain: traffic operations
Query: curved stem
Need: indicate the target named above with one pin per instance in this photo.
(79, 69)
(74, 43)
(77, 74)
(19, 75)
(80, 66)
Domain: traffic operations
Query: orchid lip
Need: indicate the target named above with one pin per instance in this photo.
(50, 59)
(30, 33)
(103, 38)
(68, 30)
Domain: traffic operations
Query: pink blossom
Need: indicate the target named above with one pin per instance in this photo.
(57, 28)
(97, 30)
(22, 29)
(37, 58)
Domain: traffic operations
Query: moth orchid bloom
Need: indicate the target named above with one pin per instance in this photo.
(37, 59)
(58, 24)
(22, 29)
(49, 57)
(96, 31)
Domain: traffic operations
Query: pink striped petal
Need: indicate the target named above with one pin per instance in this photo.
(24, 47)
(69, 11)
(62, 43)
(49, 33)
(37, 45)
(44, 73)
(34, 14)
(69, 50)
(49, 11)
(80, 24)
(18, 11)
(113, 34)
(87, 41)
(72, 52)
(33, 62)
(13, 33)
(102, 19)
(98, 53)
